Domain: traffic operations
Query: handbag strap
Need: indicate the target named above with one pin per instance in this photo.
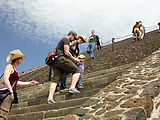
(13, 83)
(1, 75)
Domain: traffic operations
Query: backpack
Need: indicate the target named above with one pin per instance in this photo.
(52, 56)
(98, 42)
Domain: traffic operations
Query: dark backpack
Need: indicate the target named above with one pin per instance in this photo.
(98, 43)
(51, 57)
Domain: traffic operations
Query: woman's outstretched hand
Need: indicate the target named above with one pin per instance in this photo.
(33, 83)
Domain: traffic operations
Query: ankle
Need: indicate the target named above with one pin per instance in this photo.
(50, 98)
(71, 87)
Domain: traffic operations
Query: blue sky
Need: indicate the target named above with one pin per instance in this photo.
(36, 26)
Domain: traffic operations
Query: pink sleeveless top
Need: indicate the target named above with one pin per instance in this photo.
(14, 77)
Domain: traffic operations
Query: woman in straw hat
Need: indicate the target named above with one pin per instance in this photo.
(11, 78)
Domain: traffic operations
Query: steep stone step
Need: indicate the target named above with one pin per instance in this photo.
(90, 85)
(34, 74)
(85, 76)
(104, 71)
(55, 118)
(43, 114)
(58, 97)
(44, 89)
(36, 102)
(40, 89)
(45, 107)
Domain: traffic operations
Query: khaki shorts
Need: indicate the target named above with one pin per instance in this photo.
(5, 107)
(61, 65)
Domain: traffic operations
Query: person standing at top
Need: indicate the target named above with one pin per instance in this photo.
(136, 26)
(64, 63)
(159, 27)
(136, 34)
(11, 78)
(92, 43)
(142, 29)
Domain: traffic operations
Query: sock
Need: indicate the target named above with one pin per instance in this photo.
(50, 98)
(71, 87)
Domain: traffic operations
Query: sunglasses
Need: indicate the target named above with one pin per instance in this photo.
(82, 39)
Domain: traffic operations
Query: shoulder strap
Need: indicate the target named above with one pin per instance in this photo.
(1, 75)
(14, 84)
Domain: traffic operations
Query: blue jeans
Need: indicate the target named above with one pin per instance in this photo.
(79, 81)
(91, 49)
(63, 80)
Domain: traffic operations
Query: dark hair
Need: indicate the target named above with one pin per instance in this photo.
(82, 39)
(13, 61)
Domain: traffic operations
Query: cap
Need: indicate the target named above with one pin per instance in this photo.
(74, 34)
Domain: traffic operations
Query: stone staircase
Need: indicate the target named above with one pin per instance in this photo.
(40, 75)
(99, 73)
(32, 100)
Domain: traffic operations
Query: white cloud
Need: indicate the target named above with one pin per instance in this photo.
(45, 20)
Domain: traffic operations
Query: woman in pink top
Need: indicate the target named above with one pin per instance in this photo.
(11, 77)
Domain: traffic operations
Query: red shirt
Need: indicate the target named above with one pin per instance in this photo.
(14, 77)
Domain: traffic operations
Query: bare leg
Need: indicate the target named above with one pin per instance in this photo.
(75, 78)
(52, 90)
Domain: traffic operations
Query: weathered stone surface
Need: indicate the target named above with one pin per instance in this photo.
(100, 112)
(151, 90)
(136, 114)
(137, 77)
(138, 83)
(90, 102)
(106, 89)
(148, 78)
(135, 102)
(112, 97)
(87, 116)
(113, 113)
(155, 65)
(126, 97)
(117, 90)
(112, 105)
(148, 106)
(97, 106)
(131, 91)
(70, 117)
(79, 111)
(157, 105)
(114, 118)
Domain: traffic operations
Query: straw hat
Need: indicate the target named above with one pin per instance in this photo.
(84, 38)
(14, 54)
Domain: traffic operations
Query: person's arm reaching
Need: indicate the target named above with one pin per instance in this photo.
(67, 53)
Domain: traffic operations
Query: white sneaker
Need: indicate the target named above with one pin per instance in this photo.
(73, 90)
(50, 101)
